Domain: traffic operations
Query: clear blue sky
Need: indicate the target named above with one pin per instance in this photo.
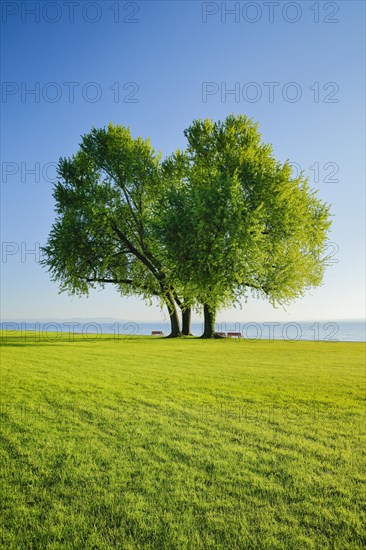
(170, 50)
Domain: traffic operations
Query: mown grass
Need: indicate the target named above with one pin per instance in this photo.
(185, 444)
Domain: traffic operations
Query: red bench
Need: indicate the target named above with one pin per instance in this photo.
(221, 334)
(234, 334)
(157, 333)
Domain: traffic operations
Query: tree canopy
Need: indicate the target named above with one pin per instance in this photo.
(245, 224)
(202, 228)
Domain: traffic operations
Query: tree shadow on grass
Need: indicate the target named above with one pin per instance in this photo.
(29, 342)
(35, 340)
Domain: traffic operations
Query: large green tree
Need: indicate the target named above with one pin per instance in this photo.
(236, 220)
(202, 229)
(105, 199)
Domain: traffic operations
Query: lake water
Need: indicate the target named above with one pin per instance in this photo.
(316, 331)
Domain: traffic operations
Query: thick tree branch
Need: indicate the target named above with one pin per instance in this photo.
(136, 252)
(119, 281)
(179, 302)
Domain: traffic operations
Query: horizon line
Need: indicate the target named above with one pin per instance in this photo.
(108, 319)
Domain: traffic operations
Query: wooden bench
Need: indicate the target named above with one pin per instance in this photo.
(157, 333)
(234, 334)
(221, 334)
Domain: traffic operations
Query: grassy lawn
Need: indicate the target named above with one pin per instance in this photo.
(182, 444)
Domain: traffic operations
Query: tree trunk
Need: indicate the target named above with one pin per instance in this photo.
(173, 314)
(186, 321)
(209, 315)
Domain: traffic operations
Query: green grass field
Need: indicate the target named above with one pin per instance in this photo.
(182, 444)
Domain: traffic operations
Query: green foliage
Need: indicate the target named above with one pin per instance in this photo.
(207, 225)
(244, 222)
(104, 202)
